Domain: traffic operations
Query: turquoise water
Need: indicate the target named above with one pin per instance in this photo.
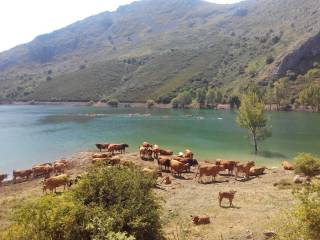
(33, 134)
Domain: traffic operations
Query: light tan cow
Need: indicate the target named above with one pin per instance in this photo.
(57, 181)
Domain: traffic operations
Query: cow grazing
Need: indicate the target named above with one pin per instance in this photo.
(229, 195)
(257, 171)
(287, 166)
(3, 177)
(208, 170)
(164, 161)
(227, 164)
(178, 167)
(244, 168)
(102, 146)
(21, 174)
(42, 170)
(53, 182)
(191, 162)
(203, 219)
(117, 148)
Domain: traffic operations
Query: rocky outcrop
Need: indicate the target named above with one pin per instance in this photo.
(300, 59)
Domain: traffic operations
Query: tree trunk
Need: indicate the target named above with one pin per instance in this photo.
(255, 142)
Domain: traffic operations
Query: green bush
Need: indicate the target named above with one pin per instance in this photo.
(150, 103)
(302, 222)
(109, 203)
(113, 102)
(308, 164)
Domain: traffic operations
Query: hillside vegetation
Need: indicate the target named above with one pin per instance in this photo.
(155, 49)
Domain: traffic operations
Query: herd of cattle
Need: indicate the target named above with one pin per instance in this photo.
(182, 163)
(54, 173)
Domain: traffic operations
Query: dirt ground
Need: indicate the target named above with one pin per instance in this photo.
(257, 202)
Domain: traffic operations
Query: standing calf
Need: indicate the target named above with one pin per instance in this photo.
(229, 195)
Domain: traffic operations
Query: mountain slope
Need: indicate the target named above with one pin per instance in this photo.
(156, 48)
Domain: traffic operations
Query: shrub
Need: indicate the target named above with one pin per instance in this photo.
(113, 102)
(108, 203)
(308, 164)
(126, 199)
(175, 103)
(303, 220)
(150, 103)
(269, 60)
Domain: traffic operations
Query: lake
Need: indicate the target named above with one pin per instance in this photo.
(35, 134)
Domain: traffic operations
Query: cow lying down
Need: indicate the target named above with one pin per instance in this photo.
(201, 219)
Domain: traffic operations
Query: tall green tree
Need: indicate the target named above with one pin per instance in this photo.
(310, 96)
(201, 96)
(211, 97)
(280, 91)
(269, 96)
(251, 116)
(183, 99)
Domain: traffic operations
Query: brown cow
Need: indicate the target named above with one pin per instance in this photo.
(3, 177)
(42, 170)
(165, 152)
(145, 153)
(227, 164)
(256, 171)
(190, 161)
(59, 167)
(178, 167)
(287, 166)
(117, 148)
(146, 145)
(244, 168)
(188, 154)
(164, 161)
(53, 182)
(156, 151)
(229, 195)
(101, 146)
(204, 219)
(166, 180)
(21, 174)
(208, 170)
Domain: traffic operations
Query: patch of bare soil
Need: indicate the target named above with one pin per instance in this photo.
(256, 201)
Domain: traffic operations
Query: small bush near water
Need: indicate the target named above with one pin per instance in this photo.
(109, 203)
(307, 164)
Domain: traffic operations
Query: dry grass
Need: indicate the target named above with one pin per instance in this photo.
(256, 202)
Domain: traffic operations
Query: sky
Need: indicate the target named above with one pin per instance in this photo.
(23, 20)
